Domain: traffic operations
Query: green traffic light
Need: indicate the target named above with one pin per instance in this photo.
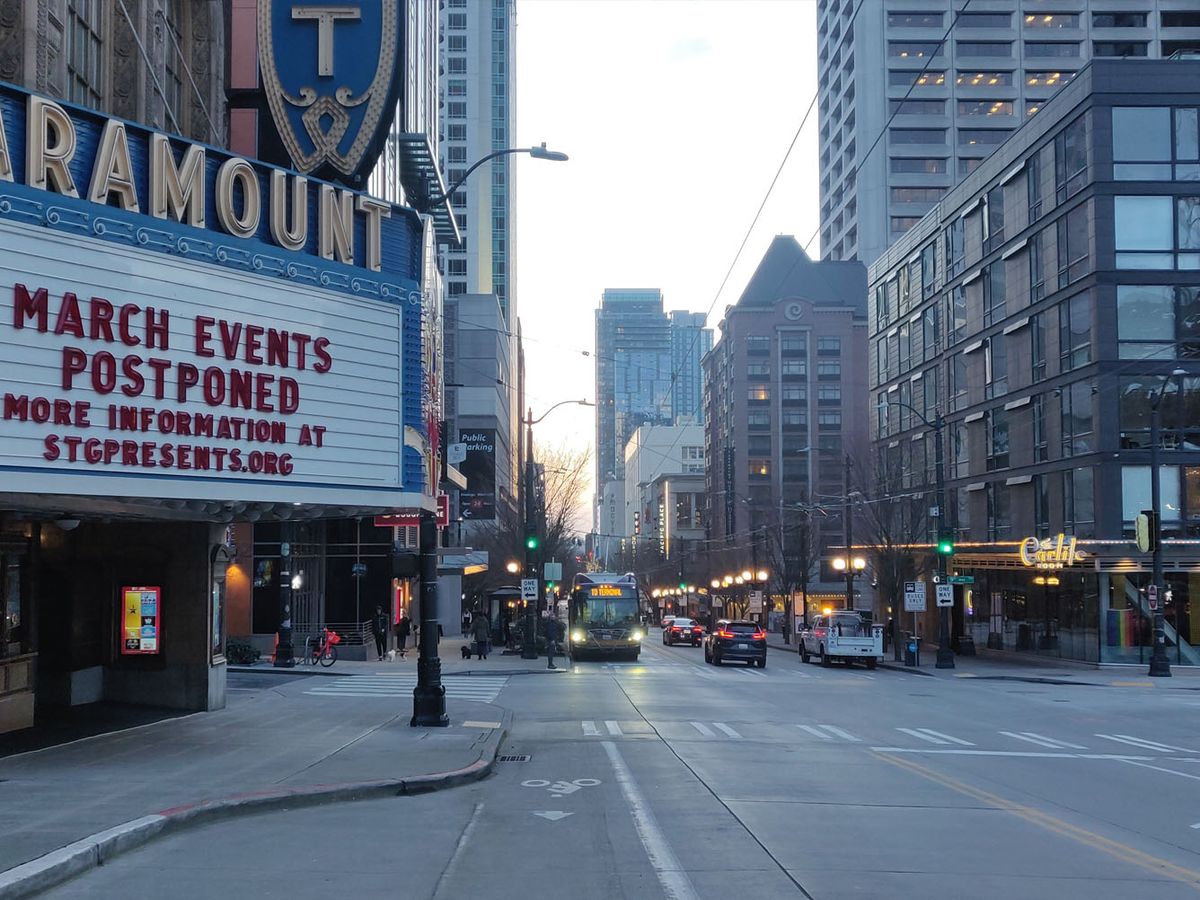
(945, 547)
(531, 542)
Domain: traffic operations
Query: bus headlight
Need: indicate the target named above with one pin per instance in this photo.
(577, 637)
(638, 634)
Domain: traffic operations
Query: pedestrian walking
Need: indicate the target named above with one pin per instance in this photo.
(402, 629)
(553, 635)
(481, 630)
(466, 624)
(379, 628)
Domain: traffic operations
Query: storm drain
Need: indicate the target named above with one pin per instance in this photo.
(521, 757)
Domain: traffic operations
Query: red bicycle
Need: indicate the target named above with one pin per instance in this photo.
(323, 650)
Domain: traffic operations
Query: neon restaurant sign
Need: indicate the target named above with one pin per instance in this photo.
(1051, 553)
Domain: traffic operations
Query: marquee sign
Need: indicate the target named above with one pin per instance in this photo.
(180, 323)
(1051, 553)
(331, 74)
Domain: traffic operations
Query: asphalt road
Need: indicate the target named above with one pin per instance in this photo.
(670, 778)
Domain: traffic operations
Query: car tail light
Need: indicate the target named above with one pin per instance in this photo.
(759, 635)
(697, 629)
(725, 634)
(674, 627)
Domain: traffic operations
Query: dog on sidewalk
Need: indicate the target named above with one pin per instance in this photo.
(466, 651)
(390, 656)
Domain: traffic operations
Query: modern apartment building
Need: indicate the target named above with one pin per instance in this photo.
(785, 390)
(1042, 308)
(647, 371)
(905, 114)
(651, 451)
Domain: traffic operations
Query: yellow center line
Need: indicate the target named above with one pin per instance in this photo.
(1115, 849)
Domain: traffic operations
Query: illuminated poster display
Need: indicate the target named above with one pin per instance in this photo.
(141, 620)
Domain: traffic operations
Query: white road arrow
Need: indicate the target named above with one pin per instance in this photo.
(552, 815)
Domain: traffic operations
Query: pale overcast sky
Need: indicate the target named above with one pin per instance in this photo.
(676, 114)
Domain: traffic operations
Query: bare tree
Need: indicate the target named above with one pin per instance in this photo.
(792, 556)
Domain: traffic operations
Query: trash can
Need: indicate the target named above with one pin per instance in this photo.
(912, 650)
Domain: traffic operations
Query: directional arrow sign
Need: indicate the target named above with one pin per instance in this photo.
(552, 815)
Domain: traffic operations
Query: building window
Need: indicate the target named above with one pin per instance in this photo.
(795, 418)
(901, 224)
(929, 269)
(956, 314)
(917, 107)
(829, 369)
(1079, 507)
(997, 439)
(999, 511)
(983, 79)
(916, 194)
(758, 393)
(1148, 139)
(993, 292)
(1037, 346)
(792, 368)
(956, 380)
(959, 453)
(881, 360)
(1158, 322)
(904, 289)
(917, 166)
(1077, 431)
(456, 110)
(1037, 413)
(793, 344)
(456, 43)
(995, 366)
(1119, 20)
(914, 20)
(1075, 332)
(1118, 49)
(758, 419)
(1037, 271)
(993, 218)
(975, 49)
(456, 132)
(907, 78)
(456, 267)
(967, 166)
(829, 395)
(759, 467)
(985, 107)
(952, 242)
(917, 135)
(758, 370)
(1051, 20)
(456, 21)
(757, 345)
(85, 52)
(1060, 49)
(794, 393)
(1070, 159)
(982, 137)
(1072, 246)
(829, 421)
(931, 326)
(829, 346)
(913, 49)
(456, 65)
(1033, 186)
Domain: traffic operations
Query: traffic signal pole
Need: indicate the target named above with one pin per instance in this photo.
(529, 643)
(945, 655)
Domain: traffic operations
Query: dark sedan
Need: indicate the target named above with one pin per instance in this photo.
(733, 639)
(683, 631)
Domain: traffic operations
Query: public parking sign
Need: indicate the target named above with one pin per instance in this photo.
(529, 588)
(914, 596)
(945, 595)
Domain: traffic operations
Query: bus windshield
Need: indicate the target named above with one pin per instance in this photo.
(592, 610)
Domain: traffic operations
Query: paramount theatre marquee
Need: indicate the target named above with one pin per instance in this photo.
(181, 324)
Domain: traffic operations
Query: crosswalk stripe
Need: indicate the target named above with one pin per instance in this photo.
(1142, 743)
(1042, 741)
(917, 733)
(845, 735)
(590, 729)
(703, 729)
(729, 731)
(946, 737)
(613, 727)
(814, 732)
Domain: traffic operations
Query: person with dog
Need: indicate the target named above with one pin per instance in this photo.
(481, 630)
(403, 627)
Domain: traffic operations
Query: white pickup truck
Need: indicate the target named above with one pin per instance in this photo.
(844, 635)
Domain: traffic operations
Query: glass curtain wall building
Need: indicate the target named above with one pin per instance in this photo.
(1041, 307)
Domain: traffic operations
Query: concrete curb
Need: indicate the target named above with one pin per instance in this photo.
(907, 670)
(59, 865)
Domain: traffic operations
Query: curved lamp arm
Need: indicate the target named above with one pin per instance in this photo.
(532, 421)
(536, 152)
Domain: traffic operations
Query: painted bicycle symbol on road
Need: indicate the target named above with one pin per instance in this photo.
(561, 788)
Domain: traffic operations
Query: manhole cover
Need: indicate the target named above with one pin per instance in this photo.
(522, 757)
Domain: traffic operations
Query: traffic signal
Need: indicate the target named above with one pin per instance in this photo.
(1146, 533)
(531, 542)
(945, 546)
(683, 585)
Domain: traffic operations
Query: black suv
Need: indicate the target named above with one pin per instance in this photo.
(734, 639)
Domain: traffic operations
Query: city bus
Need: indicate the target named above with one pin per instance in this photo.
(604, 616)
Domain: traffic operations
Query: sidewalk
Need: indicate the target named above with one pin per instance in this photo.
(449, 651)
(66, 808)
(1012, 667)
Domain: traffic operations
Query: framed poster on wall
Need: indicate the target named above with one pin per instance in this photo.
(141, 621)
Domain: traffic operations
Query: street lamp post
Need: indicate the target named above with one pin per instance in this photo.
(529, 643)
(1160, 665)
(536, 152)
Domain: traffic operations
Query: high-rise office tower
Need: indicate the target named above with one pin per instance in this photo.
(998, 65)
(690, 340)
(647, 371)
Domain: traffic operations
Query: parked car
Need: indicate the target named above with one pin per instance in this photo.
(735, 639)
(683, 630)
(845, 635)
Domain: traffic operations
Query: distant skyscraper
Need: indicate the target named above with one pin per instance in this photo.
(690, 340)
(647, 371)
(997, 67)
